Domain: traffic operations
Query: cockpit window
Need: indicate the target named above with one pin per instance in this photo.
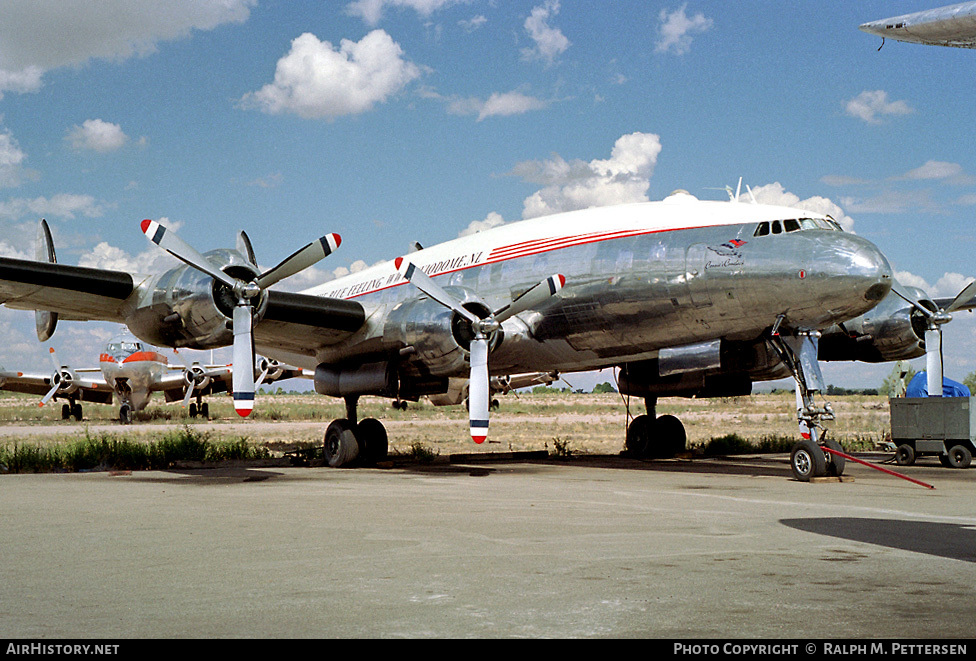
(796, 224)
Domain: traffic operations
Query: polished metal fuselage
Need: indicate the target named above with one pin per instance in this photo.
(634, 284)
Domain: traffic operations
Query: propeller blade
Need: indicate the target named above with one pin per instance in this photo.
(933, 361)
(478, 390)
(300, 260)
(54, 359)
(263, 376)
(424, 283)
(532, 298)
(924, 310)
(50, 393)
(177, 247)
(189, 394)
(245, 248)
(963, 297)
(243, 376)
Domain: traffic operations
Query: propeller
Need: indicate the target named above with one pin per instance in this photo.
(194, 376)
(63, 380)
(479, 390)
(933, 333)
(247, 294)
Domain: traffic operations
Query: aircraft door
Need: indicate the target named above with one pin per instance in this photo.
(696, 275)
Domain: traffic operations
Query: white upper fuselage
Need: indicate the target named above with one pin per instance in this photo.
(528, 238)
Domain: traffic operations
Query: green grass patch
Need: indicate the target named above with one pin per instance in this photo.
(109, 452)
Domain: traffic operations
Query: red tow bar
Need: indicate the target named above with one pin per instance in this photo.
(883, 470)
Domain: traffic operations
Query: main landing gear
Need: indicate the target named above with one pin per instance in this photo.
(653, 437)
(348, 442)
(72, 410)
(809, 458)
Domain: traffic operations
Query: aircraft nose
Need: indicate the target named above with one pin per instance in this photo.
(860, 268)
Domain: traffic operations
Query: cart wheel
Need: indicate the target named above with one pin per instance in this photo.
(905, 455)
(960, 456)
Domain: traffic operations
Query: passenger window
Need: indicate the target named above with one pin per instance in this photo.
(777, 228)
(762, 230)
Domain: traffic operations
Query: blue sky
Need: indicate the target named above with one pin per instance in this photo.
(390, 121)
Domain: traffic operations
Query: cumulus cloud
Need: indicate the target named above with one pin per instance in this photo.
(63, 205)
(624, 177)
(946, 286)
(676, 28)
(497, 105)
(96, 135)
(315, 80)
(951, 173)
(491, 220)
(871, 105)
(549, 42)
(473, 23)
(39, 35)
(775, 194)
(12, 171)
(371, 11)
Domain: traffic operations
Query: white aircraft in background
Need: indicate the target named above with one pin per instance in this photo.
(129, 373)
(686, 298)
(952, 25)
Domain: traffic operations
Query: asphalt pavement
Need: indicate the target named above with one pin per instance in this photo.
(586, 547)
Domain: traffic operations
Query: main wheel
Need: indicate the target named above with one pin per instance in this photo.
(835, 463)
(807, 461)
(125, 414)
(669, 437)
(341, 446)
(373, 441)
(905, 455)
(960, 456)
(639, 435)
(65, 411)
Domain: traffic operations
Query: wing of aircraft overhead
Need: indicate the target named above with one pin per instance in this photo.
(952, 25)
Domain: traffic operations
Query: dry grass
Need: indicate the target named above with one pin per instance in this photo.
(591, 424)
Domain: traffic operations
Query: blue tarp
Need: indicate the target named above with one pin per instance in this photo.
(919, 387)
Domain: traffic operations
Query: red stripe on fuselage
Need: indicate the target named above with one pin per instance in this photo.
(535, 247)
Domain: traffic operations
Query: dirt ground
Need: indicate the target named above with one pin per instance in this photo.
(578, 423)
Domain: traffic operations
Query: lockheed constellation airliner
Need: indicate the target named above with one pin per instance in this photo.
(685, 297)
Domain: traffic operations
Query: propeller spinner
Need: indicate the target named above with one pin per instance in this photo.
(247, 293)
(478, 385)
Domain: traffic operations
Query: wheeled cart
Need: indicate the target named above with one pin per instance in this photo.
(943, 426)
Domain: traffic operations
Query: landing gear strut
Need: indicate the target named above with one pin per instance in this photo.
(808, 459)
(652, 437)
(348, 442)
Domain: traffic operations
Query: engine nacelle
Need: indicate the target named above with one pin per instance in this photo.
(895, 330)
(434, 336)
(188, 308)
(719, 368)
(371, 379)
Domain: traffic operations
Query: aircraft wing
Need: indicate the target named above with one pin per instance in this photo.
(74, 292)
(299, 323)
(93, 389)
(952, 25)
